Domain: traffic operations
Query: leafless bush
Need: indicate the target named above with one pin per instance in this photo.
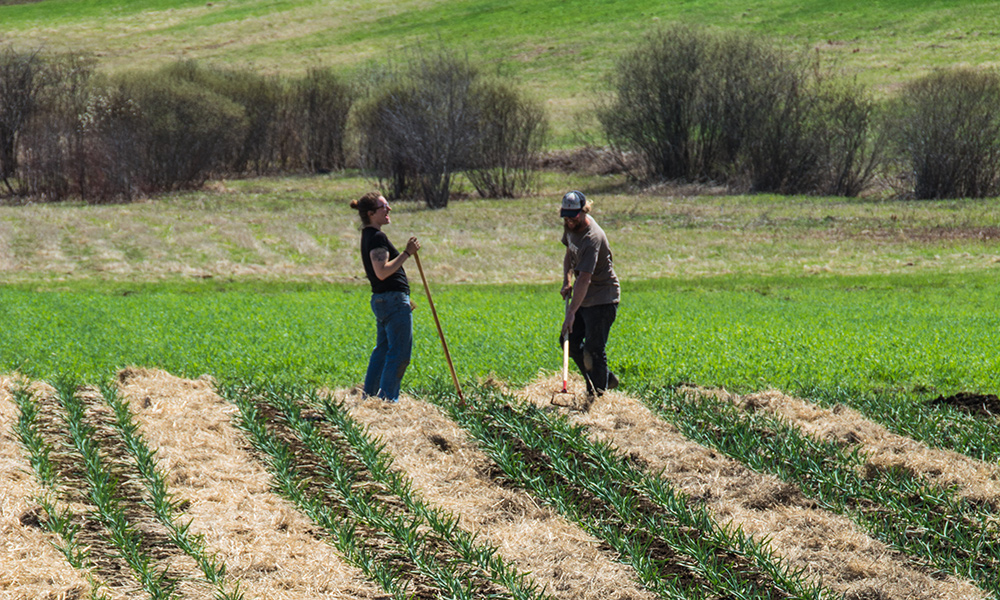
(701, 106)
(418, 130)
(510, 135)
(114, 160)
(184, 132)
(856, 141)
(784, 146)
(434, 116)
(323, 102)
(265, 100)
(657, 89)
(50, 147)
(946, 130)
(22, 77)
(381, 150)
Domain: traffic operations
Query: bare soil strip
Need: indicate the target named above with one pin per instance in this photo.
(449, 471)
(975, 480)
(273, 550)
(828, 546)
(30, 566)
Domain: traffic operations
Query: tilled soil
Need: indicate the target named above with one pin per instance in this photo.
(981, 405)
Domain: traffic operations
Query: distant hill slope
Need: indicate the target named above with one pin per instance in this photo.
(561, 50)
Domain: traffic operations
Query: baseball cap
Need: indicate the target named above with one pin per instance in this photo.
(572, 203)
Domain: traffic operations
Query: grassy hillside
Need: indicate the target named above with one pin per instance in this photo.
(560, 50)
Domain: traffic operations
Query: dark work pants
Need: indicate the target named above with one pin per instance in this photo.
(587, 343)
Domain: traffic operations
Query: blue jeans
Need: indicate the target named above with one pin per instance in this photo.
(393, 345)
(587, 344)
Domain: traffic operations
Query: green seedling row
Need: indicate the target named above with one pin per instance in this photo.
(293, 483)
(59, 520)
(379, 463)
(928, 522)
(602, 457)
(634, 512)
(161, 501)
(101, 464)
(106, 495)
(426, 544)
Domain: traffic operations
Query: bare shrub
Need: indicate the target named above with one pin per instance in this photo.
(657, 88)
(418, 130)
(323, 102)
(434, 116)
(784, 146)
(701, 106)
(22, 76)
(51, 146)
(946, 130)
(183, 133)
(265, 100)
(381, 149)
(855, 139)
(113, 157)
(510, 135)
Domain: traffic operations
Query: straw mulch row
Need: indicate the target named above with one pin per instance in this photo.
(276, 553)
(273, 550)
(449, 471)
(827, 545)
(974, 480)
(30, 566)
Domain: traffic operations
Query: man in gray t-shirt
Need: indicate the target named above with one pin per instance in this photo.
(594, 293)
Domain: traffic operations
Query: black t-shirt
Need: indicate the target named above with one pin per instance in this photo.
(372, 238)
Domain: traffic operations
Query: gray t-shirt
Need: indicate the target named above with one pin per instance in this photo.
(589, 252)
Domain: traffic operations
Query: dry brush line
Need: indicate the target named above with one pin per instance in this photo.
(265, 543)
(974, 480)
(30, 566)
(827, 545)
(449, 471)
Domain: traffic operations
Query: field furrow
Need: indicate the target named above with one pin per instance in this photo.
(676, 548)
(325, 462)
(265, 542)
(825, 545)
(449, 469)
(155, 492)
(976, 481)
(30, 565)
(967, 423)
(928, 522)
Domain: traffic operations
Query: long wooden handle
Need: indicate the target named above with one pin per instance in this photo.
(566, 356)
(565, 364)
(444, 344)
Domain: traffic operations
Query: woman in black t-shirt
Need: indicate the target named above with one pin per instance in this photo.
(390, 298)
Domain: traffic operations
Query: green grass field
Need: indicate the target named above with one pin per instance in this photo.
(261, 278)
(561, 52)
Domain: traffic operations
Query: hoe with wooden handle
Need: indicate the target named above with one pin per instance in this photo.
(563, 397)
(444, 344)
